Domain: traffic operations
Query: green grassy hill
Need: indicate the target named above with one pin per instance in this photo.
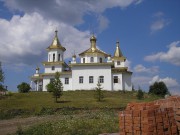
(36, 102)
(76, 113)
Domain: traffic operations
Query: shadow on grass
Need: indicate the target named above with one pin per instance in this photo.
(63, 101)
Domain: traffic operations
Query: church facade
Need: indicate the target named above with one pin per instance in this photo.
(95, 66)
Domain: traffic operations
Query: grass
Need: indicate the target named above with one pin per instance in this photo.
(39, 103)
(78, 112)
(86, 123)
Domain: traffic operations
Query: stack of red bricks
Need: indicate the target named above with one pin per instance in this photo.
(147, 119)
(174, 102)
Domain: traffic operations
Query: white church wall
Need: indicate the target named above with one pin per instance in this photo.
(127, 85)
(57, 68)
(46, 80)
(122, 64)
(66, 87)
(96, 58)
(119, 85)
(94, 71)
(56, 52)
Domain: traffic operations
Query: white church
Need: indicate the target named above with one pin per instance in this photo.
(95, 65)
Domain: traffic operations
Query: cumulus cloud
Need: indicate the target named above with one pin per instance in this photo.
(159, 22)
(23, 40)
(141, 81)
(24, 37)
(69, 11)
(171, 56)
(103, 23)
(140, 69)
(128, 64)
(170, 82)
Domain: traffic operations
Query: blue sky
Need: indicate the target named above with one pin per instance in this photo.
(148, 31)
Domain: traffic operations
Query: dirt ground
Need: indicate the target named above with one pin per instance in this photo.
(11, 126)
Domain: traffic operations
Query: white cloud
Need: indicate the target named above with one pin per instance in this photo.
(159, 23)
(23, 40)
(142, 81)
(69, 11)
(171, 56)
(128, 64)
(103, 23)
(140, 68)
(170, 82)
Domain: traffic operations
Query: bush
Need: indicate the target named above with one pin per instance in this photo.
(159, 88)
(23, 87)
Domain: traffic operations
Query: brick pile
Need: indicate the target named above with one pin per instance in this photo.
(174, 102)
(151, 118)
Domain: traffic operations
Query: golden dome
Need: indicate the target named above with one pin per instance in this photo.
(56, 44)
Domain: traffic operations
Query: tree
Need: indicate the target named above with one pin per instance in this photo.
(159, 88)
(1, 78)
(56, 87)
(140, 94)
(98, 92)
(1, 74)
(23, 87)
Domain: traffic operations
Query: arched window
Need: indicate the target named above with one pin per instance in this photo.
(53, 57)
(83, 60)
(91, 59)
(100, 60)
(59, 56)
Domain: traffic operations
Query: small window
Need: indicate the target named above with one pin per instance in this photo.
(66, 80)
(90, 79)
(53, 57)
(59, 57)
(81, 79)
(101, 79)
(83, 60)
(91, 59)
(118, 62)
(115, 79)
(100, 60)
(53, 67)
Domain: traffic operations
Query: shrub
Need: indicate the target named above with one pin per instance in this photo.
(140, 94)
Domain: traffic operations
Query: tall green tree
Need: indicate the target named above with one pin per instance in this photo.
(159, 88)
(55, 86)
(98, 92)
(23, 87)
(1, 78)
